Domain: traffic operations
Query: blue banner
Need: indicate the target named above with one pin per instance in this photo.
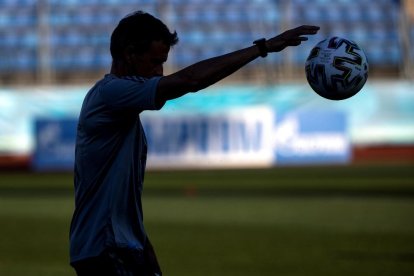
(241, 137)
(312, 137)
(54, 144)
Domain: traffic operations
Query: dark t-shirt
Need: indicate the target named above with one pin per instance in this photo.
(110, 159)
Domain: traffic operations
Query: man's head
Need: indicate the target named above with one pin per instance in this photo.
(139, 40)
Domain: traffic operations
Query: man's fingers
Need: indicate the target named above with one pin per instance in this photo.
(296, 39)
(309, 27)
(306, 29)
(292, 37)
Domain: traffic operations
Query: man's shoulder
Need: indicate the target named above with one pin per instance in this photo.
(135, 78)
(112, 77)
(126, 91)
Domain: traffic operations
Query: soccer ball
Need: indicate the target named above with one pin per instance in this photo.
(336, 68)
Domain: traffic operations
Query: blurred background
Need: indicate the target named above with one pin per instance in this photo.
(255, 175)
(52, 52)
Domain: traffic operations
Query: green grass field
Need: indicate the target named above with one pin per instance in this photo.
(345, 220)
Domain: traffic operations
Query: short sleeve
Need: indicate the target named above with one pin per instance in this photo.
(131, 93)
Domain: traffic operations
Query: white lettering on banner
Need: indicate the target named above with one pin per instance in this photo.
(55, 144)
(314, 144)
(290, 142)
(48, 135)
(50, 141)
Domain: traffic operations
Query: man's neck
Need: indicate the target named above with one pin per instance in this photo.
(119, 69)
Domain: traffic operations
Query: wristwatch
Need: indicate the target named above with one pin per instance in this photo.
(261, 44)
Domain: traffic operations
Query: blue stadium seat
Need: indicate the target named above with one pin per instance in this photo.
(80, 29)
(372, 24)
(217, 26)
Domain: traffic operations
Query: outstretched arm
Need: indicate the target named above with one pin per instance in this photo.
(207, 72)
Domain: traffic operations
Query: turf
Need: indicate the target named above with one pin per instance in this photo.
(286, 221)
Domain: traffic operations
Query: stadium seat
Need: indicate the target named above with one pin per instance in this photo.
(205, 28)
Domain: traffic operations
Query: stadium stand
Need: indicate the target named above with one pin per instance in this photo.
(409, 37)
(72, 37)
(372, 24)
(219, 27)
(18, 33)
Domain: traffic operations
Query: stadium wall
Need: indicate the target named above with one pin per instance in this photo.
(226, 125)
(360, 155)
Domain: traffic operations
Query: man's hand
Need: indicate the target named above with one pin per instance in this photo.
(292, 37)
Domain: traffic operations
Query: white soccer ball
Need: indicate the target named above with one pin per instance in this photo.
(336, 68)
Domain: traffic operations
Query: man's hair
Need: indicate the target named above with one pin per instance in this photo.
(137, 31)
